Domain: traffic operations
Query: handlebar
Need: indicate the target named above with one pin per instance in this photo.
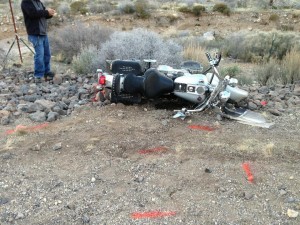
(208, 56)
(215, 61)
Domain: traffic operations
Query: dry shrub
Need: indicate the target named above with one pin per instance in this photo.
(286, 27)
(274, 18)
(87, 61)
(222, 8)
(184, 9)
(127, 8)
(291, 67)
(232, 71)
(99, 6)
(142, 9)
(78, 7)
(68, 41)
(268, 73)
(141, 44)
(198, 9)
(259, 47)
(295, 15)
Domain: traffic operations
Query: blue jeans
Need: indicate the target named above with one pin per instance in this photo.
(42, 54)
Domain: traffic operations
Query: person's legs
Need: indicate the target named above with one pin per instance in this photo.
(39, 66)
(47, 55)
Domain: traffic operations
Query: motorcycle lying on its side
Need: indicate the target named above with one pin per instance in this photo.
(128, 84)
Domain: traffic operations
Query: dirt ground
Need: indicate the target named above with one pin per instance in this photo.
(106, 165)
(102, 165)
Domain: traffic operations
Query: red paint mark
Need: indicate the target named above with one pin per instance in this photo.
(248, 172)
(152, 150)
(25, 128)
(199, 127)
(151, 214)
(263, 103)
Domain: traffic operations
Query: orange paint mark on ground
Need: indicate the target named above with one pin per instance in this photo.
(151, 214)
(263, 103)
(152, 150)
(21, 128)
(248, 172)
(199, 127)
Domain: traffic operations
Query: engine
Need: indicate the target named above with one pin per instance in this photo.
(192, 88)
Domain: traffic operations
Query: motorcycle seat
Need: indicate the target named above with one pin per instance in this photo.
(152, 84)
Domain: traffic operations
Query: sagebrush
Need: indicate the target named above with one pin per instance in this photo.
(68, 41)
(141, 44)
(87, 61)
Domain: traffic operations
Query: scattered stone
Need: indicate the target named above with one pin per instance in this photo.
(297, 90)
(85, 219)
(57, 146)
(71, 206)
(252, 106)
(5, 120)
(139, 179)
(290, 200)
(264, 90)
(275, 112)
(7, 156)
(164, 122)
(282, 192)
(292, 213)
(3, 201)
(248, 195)
(52, 116)
(37, 148)
(38, 116)
(207, 170)
(19, 216)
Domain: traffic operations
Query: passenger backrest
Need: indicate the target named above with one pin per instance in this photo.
(126, 67)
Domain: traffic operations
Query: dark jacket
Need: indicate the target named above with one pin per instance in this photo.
(35, 15)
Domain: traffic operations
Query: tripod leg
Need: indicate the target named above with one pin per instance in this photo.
(27, 45)
(5, 58)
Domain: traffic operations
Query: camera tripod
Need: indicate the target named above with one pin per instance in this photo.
(17, 38)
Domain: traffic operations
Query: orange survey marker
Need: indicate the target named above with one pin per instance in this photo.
(263, 103)
(249, 174)
(25, 128)
(152, 150)
(199, 127)
(151, 214)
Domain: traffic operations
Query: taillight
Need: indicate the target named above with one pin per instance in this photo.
(101, 77)
(102, 80)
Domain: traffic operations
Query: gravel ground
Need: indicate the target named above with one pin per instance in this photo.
(103, 165)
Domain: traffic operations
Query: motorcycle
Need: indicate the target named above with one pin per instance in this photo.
(129, 84)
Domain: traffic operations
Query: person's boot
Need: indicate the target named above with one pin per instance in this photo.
(38, 80)
(49, 76)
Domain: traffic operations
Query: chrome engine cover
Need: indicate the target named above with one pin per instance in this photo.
(193, 88)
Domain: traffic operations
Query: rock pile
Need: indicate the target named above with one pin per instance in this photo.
(277, 99)
(19, 95)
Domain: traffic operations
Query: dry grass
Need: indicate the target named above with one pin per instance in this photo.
(196, 52)
(291, 67)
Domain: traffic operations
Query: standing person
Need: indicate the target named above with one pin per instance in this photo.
(35, 16)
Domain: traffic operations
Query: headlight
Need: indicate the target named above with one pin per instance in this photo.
(233, 82)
